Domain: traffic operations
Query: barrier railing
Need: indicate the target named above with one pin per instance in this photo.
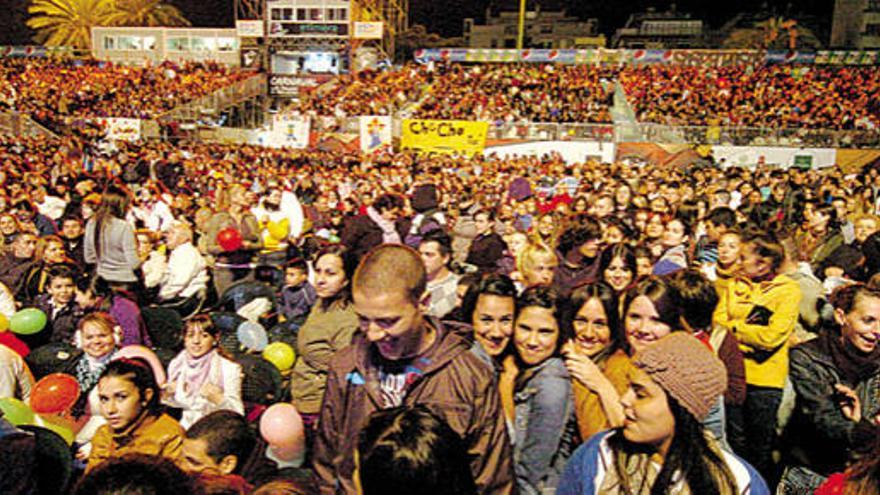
(217, 101)
(17, 124)
(751, 136)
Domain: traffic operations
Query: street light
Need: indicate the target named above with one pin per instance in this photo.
(522, 25)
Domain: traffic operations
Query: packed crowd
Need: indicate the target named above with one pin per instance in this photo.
(768, 96)
(765, 96)
(233, 319)
(520, 92)
(53, 90)
(366, 93)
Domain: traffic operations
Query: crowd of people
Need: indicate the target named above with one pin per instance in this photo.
(765, 96)
(570, 327)
(207, 318)
(760, 96)
(52, 91)
(516, 93)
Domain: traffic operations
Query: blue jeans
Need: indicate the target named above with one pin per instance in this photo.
(759, 413)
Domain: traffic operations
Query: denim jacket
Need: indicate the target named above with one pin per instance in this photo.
(545, 426)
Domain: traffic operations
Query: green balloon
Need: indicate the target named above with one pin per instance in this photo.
(16, 412)
(27, 321)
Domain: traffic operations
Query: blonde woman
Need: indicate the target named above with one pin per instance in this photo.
(536, 265)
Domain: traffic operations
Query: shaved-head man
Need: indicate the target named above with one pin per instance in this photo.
(402, 357)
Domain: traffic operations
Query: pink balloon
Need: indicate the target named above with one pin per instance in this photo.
(282, 426)
(139, 351)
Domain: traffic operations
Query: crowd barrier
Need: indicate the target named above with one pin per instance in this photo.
(703, 58)
(647, 133)
(16, 124)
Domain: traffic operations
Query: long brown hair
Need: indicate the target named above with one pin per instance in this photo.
(115, 203)
(863, 478)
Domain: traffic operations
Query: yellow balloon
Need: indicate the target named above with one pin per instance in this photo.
(4, 323)
(279, 230)
(280, 354)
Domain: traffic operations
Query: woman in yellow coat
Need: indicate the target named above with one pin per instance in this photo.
(760, 306)
(129, 401)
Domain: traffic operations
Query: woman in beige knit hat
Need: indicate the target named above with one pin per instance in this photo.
(662, 446)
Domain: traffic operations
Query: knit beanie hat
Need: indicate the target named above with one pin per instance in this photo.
(687, 370)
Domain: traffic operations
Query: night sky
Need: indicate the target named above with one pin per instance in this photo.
(445, 17)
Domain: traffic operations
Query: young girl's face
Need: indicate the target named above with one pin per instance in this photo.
(198, 342)
(120, 401)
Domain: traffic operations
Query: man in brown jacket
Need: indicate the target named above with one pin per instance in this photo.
(398, 358)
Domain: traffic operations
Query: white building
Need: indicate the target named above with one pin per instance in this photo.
(140, 45)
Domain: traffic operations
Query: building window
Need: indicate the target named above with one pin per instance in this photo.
(316, 14)
(276, 14)
(109, 43)
(178, 44)
(203, 44)
(872, 30)
(287, 15)
(226, 44)
(130, 43)
(873, 6)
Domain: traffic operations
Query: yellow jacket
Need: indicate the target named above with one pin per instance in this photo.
(152, 435)
(590, 415)
(765, 347)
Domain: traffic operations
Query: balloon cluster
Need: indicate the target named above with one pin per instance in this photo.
(51, 399)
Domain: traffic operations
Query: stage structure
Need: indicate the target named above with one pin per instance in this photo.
(303, 43)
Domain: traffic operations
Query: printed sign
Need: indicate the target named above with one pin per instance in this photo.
(368, 30)
(375, 133)
(249, 29)
(444, 136)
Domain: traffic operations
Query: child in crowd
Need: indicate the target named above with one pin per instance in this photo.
(298, 295)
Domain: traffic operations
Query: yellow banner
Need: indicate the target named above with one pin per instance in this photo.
(444, 136)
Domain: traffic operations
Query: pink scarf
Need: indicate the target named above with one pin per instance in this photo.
(389, 233)
(191, 372)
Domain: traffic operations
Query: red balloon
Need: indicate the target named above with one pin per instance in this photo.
(230, 239)
(54, 394)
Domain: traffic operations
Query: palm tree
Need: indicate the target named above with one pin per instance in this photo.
(67, 22)
(146, 13)
(774, 33)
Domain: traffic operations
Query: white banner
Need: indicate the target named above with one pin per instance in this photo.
(375, 133)
(368, 30)
(288, 131)
(249, 29)
(122, 129)
(750, 156)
